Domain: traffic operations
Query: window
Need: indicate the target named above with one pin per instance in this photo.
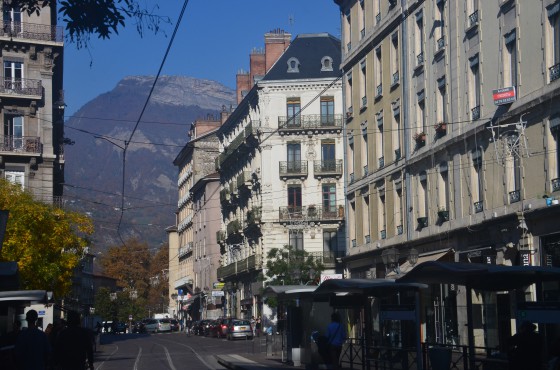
(377, 10)
(510, 60)
(349, 94)
(293, 107)
(365, 216)
(363, 79)
(398, 204)
(423, 198)
(328, 159)
(364, 153)
(553, 44)
(16, 177)
(395, 58)
(294, 198)
(13, 132)
(419, 38)
(474, 85)
(12, 20)
(329, 197)
(396, 129)
(362, 20)
(439, 25)
(326, 64)
(296, 239)
(381, 219)
(348, 31)
(554, 123)
(293, 65)
(443, 187)
(13, 73)
(441, 103)
(477, 185)
(421, 116)
(378, 73)
(330, 241)
(379, 141)
(327, 110)
(294, 157)
(352, 223)
(513, 171)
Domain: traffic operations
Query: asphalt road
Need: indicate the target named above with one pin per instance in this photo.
(173, 351)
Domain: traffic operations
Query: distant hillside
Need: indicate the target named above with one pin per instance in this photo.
(93, 172)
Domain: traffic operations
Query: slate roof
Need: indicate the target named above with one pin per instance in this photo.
(309, 50)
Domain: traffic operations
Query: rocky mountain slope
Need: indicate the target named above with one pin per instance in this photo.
(94, 163)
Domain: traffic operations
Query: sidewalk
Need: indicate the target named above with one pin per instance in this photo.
(251, 361)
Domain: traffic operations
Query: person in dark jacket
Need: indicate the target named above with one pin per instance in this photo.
(32, 346)
(73, 345)
(526, 348)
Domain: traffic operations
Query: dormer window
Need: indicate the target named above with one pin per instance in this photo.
(293, 65)
(326, 64)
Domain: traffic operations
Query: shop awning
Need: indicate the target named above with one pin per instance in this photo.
(24, 296)
(424, 257)
(288, 291)
(480, 276)
(369, 287)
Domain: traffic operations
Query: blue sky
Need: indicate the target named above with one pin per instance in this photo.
(213, 42)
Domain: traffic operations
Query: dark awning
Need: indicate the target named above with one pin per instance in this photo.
(288, 291)
(480, 276)
(24, 296)
(369, 287)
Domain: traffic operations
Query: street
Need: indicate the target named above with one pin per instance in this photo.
(166, 351)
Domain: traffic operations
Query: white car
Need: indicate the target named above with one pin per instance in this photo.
(163, 325)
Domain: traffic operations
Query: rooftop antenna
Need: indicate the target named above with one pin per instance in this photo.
(291, 21)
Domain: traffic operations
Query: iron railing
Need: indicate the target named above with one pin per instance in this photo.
(253, 262)
(475, 113)
(311, 213)
(32, 31)
(293, 168)
(556, 184)
(478, 207)
(310, 121)
(21, 144)
(554, 72)
(473, 18)
(327, 167)
(20, 86)
(514, 196)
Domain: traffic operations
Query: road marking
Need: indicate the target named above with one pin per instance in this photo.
(168, 358)
(137, 358)
(241, 358)
(108, 358)
(193, 351)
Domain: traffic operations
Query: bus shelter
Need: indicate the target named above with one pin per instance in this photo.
(383, 318)
(497, 278)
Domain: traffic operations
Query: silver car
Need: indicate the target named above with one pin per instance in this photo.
(163, 325)
(239, 329)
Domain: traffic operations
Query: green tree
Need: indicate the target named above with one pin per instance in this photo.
(46, 242)
(86, 18)
(289, 266)
(159, 275)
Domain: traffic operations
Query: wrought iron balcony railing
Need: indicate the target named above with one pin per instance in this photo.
(420, 59)
(400, 229)
(514, 196)
(379, 91)
(21, 144)
(253, 262)
(293, 169)
(309, 122)
(32, 31)
(311, 213)
(364, 101)
(378, 18)
(20, 86)
(383, 234)
(327, 259)
(395, 78)
(440, 43)
(556, 184)
(328, 167)
(381, 162)
(554, 72)
(475, 113)
(473, 18)
(478, 207)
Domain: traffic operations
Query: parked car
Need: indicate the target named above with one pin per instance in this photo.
(120, 327)
(163, 325)
(150, 325)
(221, 328)
(210, 328)
(199, 327)
(174, 325)
(239, 329)
(138, 327)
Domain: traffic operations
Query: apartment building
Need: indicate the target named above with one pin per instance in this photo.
(452, 144)
(281, 164)
(194, 254)
(32, 101)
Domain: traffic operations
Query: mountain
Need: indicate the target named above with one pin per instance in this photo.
(94, 163)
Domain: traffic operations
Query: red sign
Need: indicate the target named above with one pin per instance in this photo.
(504, 96)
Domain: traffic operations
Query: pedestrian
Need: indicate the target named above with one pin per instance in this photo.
(336, 336)
(525, 348)
(32, 346)
(98, 327)
(253, 325)
(258, 326)
(74, 345)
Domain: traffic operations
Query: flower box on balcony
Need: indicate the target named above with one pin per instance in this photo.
(420, 138)
(422, 222)
(440, 127)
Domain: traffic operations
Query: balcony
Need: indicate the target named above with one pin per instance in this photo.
(21, 144)
(251, 263)
(443, 215)
(475, 113)
(381, 162)
(311, 213)
(395, 78)
(221, 236)
(379, 91)
(31, 31)
(514, 196)
(377, 18)
(473, 19)
(398, 154)
(233, 227)
(225, 196)
(349, 113)
(367, 239)
(420, 59)
(440, 44)
(364, 101)
(351, 178)
(422, 222)
(383, 234)
(400, 229)
(478, 207)
(245, 180)
(291, 169)
(185, 250)
(555, 184)
(420, 138)
(21, 87)
(366, 171)
(554, 72)
(310, 123)
(328, 168)
(354, 244)
(441, 128)
(327, 259)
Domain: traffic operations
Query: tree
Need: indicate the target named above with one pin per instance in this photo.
(101, 18)
(289, 266)
(159, 275)
(46, 242)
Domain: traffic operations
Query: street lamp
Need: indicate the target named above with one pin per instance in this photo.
(390, 259)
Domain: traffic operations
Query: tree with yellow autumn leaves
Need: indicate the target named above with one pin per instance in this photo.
(47, 242)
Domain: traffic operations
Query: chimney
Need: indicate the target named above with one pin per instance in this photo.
(243, 82)
(275, 42)
(258, 66)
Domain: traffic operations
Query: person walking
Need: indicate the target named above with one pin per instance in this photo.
(526, 348)
(32, 346)
(258, 326)
(336, 336)
(73, 345)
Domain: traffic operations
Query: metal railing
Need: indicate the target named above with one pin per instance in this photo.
(554, 72)
(21, 144)
(514, 196)
(475, 113)
(311, 212)
(310, 121)
(440, 43)
(420, 59)
(253, 262)
(32, 31)
(395, 77)
(328, 167)
(478, 207)
(20, 86)
(556, 184)
(293, 168)
(473, 18)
